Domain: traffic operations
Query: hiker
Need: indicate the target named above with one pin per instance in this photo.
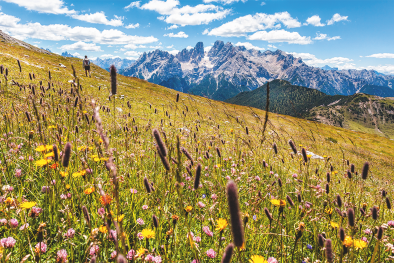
(86, 65)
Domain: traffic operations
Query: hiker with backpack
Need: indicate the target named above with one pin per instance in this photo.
(86, 65)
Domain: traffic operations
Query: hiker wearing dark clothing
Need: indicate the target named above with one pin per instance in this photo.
(86, 65)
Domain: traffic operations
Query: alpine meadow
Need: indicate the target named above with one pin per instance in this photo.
(115, 168)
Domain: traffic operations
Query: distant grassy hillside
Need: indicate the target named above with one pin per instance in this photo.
(377, 90)
(359, 112)
(284, 98)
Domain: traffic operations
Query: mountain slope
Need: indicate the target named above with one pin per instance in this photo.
(284, 98)
(226, 70)
(359, 112)
(377, 90)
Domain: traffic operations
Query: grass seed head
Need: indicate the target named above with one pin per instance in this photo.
(235, 214)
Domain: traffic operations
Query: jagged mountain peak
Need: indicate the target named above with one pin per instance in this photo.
(226, 70)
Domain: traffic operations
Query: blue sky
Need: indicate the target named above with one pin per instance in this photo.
(340, 33)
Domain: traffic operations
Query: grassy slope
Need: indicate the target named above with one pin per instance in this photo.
(209, 122)
(141, 94)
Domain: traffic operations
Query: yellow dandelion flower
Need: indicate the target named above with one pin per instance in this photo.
(41, 148)
(104, 159)
(68, 186)
(140, 252)
(257, 259)
(188, 208)
(52, 127)
(27, 205)
(148, 233)
(80, 173)
(348, 242)
(83, 148)
(119, 218)
(9, 201)
(360, 244)
(221, 224)
(277, 202)
(88, 191)
(328, 210)
(96, 159)
(63, 174)
(334, 225)
(103, 229)
(42, 162)
(51, 154)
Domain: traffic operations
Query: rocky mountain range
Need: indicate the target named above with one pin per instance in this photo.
(226, 70)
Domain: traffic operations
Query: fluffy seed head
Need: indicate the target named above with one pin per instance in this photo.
(268, 214)
(163, 159)
(339, 200)
(364, 174)
(275, 147)
(327, 188)
(380, 233)
(228, 253)
(304, 156)
(147, 185)
(159, 141)
(177, 97)
(374, 213)
(388, 203)
(236, 222)
(329, 254)
(155, 221)
(66, 154)
(320, 240)
(55, 153)
(198, 176)
(350, 217)
(293, 147)
(289, 200)
(352, 168)
(328, 177)
(114, 87)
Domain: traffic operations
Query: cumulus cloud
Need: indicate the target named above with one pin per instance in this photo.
(173, 52)
(185, 15)
(58, 7)
(336, 18)
(57, 32)
(387, 69)
(312, 60)
(252, 23)
(44, 6)
(133, 46)
(226, 2)
(272, 46)
(314, 21)
(381, 55)
(108, 56)
(180, 34)
(249, 45)
(282, 35)
(133, 54)
(80, 45)
(320, 36)
(132, 26)
(172, 27)
(99, 18)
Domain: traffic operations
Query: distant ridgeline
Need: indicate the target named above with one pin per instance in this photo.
(361, 112)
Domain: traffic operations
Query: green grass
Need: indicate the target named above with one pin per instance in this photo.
(201, 125)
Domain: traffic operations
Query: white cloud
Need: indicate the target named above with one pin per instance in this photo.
(272, 46)
(76, 54)
(314, 20)
(333, 38)
(312, 60)
(172, 27)
(206, 49)
(387, 69)
(185, 15)
(133, 4)
(275, 36)
(57, 32)
(173, 52)
(108, 56)
(260, 21)
(189, 47)
(99, 18)
(43, 6)
(133, 54)
(248, 45)
(262, 3)
(133, 46)
(172, 46)
(81, 46)
(181, 34)
(226, 2)
(336, 18)
(381, 55)
(132, 26)
(155, 47)
(320, 36)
